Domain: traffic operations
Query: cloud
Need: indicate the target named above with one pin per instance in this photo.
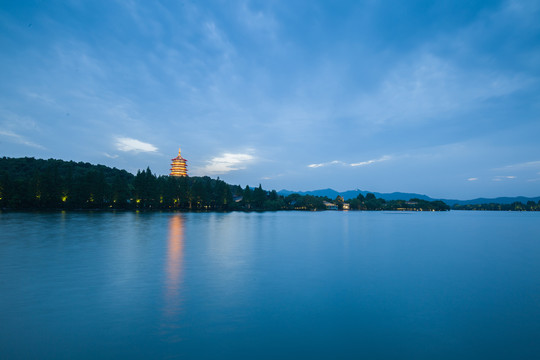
(219, 39)
(224, 164)
(425, 86)
(503, 177)
(369, 162)
(128, 144)
(257, 22)
(271, 177)
(523, 165)
(362, 163)
(110, 156)
(20, 139)
(472, 179)
(327, 163)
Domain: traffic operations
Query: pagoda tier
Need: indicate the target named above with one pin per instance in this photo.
(178, 166)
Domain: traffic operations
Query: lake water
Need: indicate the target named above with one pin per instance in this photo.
(273, 285)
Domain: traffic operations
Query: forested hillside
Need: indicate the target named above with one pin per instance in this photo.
(34, 183)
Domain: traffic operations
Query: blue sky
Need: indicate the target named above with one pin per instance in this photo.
(436, 97)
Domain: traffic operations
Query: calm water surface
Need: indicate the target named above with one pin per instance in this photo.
(285, 285)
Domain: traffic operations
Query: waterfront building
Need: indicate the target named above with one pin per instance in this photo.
(179, 166)
(330, 206)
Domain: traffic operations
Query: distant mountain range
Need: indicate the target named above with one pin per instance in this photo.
(332, 194)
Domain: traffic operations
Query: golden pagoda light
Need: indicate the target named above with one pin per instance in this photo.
(178, 166)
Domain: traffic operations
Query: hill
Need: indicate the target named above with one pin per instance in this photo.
(28, 183)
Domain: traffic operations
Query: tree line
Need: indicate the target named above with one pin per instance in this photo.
(28, 183)
(515, 206)
(371, 202)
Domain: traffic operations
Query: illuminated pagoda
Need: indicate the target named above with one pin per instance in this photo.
(178, 166)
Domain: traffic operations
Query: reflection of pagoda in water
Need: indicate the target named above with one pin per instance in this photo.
(173, 270)
(179, 166)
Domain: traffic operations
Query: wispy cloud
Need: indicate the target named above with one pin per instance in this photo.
(472, 179)
(219, 39)
(271, 177)
(260, 22)
(361, 163)
(110, 156)
(327, 163)
(504, 177)
(20, 139)
(523, 165)
(369, 162)
(225, 163)
(129, 144)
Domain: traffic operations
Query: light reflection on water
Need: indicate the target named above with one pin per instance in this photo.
(173, 292)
